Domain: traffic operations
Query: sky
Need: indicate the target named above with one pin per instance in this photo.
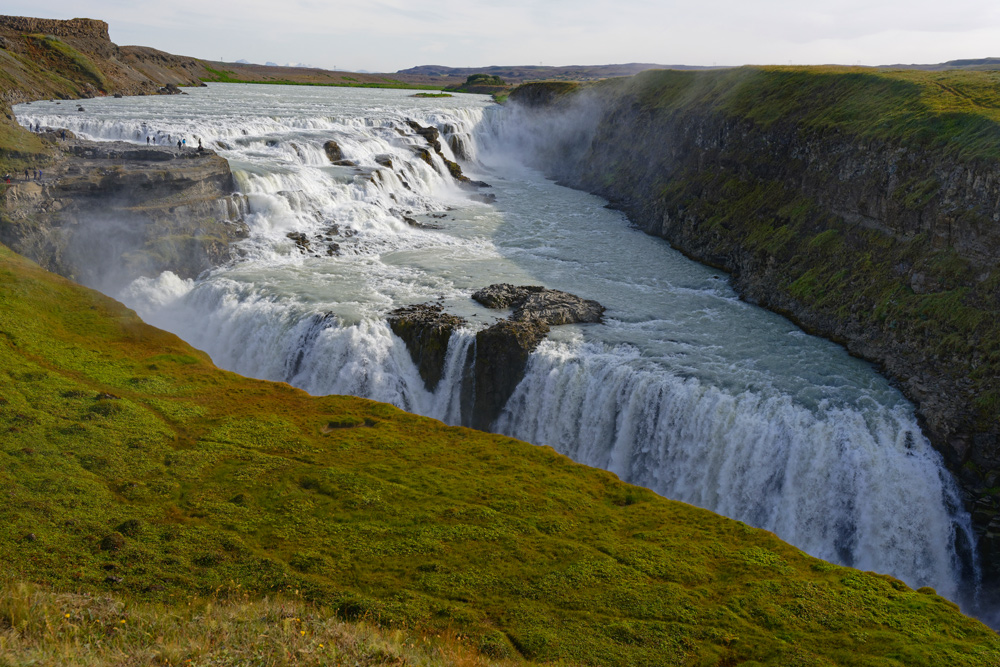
(389, 35)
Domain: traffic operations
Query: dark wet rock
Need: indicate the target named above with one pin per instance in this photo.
(333, 249)
(170, 89)
(487, 198)
(333, 151)
(497, 362)
(554, 308)
(301, 240)
(433, 138)
(534, 302)
(502, 352)
(384, 160)
(412, 222)
(424, 155)
(504, 295)
(426, 330)
(344, 163)
(118, 96)
(430, 134)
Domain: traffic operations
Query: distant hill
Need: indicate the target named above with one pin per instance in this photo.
(523, 73)
(967, 63)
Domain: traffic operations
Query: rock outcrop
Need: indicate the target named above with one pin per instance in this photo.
(433, 137)
(534, 302)
(84, 60)
(497, 362)
(426, 330)
(104, 213)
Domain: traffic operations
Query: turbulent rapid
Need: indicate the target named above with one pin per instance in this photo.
(684, 389)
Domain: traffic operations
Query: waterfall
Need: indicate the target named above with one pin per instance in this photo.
(802, 441)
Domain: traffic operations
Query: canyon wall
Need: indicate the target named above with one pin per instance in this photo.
(862, 205)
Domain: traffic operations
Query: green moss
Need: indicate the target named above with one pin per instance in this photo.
(957, 112)
(78, 63)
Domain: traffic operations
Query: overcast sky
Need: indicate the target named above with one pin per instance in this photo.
(388, 35)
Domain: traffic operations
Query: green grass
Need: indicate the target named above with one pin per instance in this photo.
(228, 76)
(41, 626)
(77, 62)
(126, 454)
(957, 112)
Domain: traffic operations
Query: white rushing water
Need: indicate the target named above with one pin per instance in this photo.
(685, 389)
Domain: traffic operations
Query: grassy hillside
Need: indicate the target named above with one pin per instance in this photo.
(954, 111)
(221, 72)
(132, 465)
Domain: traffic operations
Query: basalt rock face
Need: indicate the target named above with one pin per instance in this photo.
(426, 330)
(433, 138)
(502, 352)
(497, 363)
(104, 213)
(888, 246)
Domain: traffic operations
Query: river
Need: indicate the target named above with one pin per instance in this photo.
(684, 389)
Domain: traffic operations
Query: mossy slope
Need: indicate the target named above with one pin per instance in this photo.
(129, 462)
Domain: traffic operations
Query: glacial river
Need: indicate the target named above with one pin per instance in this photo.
(684, 389)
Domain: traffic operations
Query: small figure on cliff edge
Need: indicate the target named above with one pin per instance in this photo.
(178, 144)
(147, 141)
(64, 135)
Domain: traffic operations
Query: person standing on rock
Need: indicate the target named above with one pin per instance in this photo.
(25, 174)
(147, 141)
(178, 144)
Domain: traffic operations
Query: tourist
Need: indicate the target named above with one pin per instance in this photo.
(147, 141)
(178, 144)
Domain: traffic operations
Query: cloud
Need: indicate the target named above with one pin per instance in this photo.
(392, 34)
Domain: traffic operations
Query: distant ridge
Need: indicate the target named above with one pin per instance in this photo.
(523, 73)
(965, 63)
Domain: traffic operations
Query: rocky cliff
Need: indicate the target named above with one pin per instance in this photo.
(42, 58)
(864, 206)
(104, 213)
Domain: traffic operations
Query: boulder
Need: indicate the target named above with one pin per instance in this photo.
(333, 151)
(533, 302)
